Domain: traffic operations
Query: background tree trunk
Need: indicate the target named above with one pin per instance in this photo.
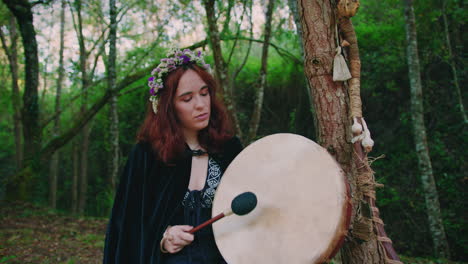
(83, 179)
(297, 21)
(21, 185)
(12, 54)
(221, 69)
(452, 63)
(114, 116)
(257, 111)
(56, 130)
(75, 176)
(420, 139)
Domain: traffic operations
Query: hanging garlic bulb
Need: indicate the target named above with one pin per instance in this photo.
(367, 142)
(356, 128)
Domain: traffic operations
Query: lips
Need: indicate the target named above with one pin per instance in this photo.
(202, 117)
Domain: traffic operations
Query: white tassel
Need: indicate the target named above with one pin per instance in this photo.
(340, 68)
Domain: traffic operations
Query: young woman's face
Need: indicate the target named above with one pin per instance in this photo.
(192, 102)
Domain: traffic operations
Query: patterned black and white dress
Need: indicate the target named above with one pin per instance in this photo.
(196, 209)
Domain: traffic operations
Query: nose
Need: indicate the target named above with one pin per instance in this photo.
(199, 103)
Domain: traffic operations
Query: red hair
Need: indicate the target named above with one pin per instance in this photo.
(163, 130)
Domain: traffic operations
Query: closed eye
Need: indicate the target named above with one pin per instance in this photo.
(204, 91)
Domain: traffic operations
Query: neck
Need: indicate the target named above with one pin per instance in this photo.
(191, 138)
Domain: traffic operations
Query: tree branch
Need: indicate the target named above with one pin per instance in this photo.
(46, 2)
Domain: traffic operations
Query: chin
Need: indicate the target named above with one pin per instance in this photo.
(202, 126)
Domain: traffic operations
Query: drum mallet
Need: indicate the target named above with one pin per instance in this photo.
(242, 204)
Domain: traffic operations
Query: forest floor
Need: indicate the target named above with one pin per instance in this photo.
(33, 234)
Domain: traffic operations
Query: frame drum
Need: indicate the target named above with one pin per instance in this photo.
(303, 208)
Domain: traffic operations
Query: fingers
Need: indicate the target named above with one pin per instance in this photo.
(171, 248)
(185, 228)
(177, 238)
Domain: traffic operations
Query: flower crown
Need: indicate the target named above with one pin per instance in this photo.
(175, 58)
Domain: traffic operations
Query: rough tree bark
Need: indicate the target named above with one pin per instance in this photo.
(56, 130)
(333, 113)
(12, 54)
(112, 76)
(420, 138)
(20, 186)
(257, 111)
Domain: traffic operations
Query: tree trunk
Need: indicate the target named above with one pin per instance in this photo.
(114, 117)
(83, 175)
(21, 185)
(55, 157)
(257, 111)
(293, 8)
(74, 187)
(12, 54)
(221, 69)
(332, 109)
(44, 82)
(83, 180)
(420, 139)
(452, 63)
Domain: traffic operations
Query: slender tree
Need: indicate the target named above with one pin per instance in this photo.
(257, 111)
(420, 138)
(112, 76)
(221, 67)
(21, 185)
(85, 132)
(56, 130)
(293, 9)
(451, 61)
(12, 54)
(75, 176)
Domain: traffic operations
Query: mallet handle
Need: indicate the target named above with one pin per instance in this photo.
(212, 220)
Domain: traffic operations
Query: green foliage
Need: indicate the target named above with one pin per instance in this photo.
(5, 259)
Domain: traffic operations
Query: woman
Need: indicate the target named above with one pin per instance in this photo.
(172, 173)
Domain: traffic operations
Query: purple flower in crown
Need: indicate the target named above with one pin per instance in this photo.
(152, 91)
(150, 79)
(185, 59)
(199, 53)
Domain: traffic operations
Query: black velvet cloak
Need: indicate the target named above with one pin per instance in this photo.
(148, 194)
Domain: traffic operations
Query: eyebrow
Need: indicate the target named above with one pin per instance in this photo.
(203, 87)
